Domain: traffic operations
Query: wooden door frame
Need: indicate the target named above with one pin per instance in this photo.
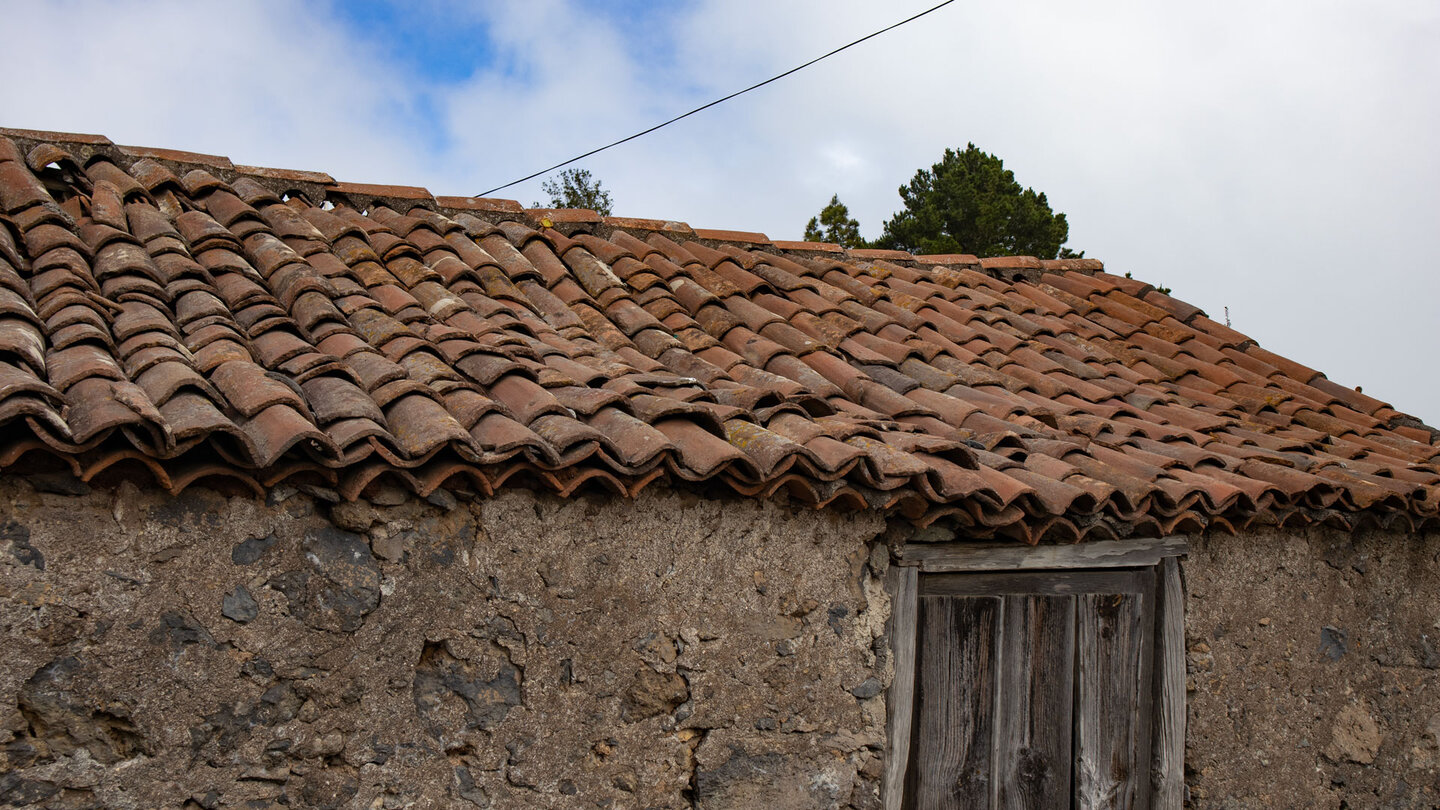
(1167, 777)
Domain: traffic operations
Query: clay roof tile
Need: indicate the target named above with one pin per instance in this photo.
(371, 339)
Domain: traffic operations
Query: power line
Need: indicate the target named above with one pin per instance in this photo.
(716, 101)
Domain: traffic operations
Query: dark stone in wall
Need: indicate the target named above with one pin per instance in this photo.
(1334, 643)
(178, 629)
(251, 549)
(739, 768)
(239, 605)
(16, 791)
(341, 588)
(868, 688)
(441, 678)
(1429, 654)
(59, 484)
(19, 539)
(328, 788)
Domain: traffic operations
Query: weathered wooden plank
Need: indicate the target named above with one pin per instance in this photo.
(1144, 718)
(950, 764)
(946, 557)
(900, 702)
(1035, 682)
(1059, 583)
(1112, 757)
(1168, 766)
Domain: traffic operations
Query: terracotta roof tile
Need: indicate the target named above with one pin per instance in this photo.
(819, 247)
(374, 190)
(424, 346)
(60, 137)
(178, 156)
(743, 237)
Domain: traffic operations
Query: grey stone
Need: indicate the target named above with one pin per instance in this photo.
(19, 537)
(279, 495)
(441, 677)
(250, 550)
(239, 605)
(343, 585)
(868, 688)
(1334, 643)
(319, 493)
(443, 499)
(1429, 654)
(59, 484)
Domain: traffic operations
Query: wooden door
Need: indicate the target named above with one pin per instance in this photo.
(1032, 690)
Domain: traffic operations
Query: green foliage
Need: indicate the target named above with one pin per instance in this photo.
(970, 203)
(574, 188)
(1160, 288)
(834, 225)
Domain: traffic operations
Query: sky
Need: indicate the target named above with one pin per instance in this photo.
(1276, 160)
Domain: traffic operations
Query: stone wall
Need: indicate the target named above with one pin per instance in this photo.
(671, 651)
(520, 651)
(1314, 670)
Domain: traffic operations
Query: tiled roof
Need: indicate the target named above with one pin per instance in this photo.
(180, 316)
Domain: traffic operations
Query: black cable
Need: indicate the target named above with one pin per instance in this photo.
(716, 101)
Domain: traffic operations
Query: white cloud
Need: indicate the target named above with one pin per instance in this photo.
(265, 83)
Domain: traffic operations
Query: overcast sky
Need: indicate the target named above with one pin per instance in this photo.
(1278, 159)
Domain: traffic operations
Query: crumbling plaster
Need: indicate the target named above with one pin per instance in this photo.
(519, 651)
(676, 650)
(1314, 669)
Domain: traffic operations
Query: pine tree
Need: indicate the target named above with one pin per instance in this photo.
(970, 203)
(834, 225)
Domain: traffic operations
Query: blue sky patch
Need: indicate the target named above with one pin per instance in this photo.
(441, 42)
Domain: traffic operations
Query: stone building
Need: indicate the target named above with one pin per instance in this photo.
(328, 495)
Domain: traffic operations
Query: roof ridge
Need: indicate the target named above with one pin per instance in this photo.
(496, 209)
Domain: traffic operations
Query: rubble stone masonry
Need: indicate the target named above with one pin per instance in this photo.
(675, 650)
(1314, 670)
(521, 651)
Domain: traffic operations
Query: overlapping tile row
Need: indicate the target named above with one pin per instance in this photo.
(278, 327)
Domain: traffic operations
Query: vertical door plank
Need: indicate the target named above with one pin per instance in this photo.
(1111, 767)
(1036, 663)
(901, 700)
(1144, 718)
(1168, 775)
(950, 764)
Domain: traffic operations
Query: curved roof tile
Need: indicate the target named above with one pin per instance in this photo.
(273, 326)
